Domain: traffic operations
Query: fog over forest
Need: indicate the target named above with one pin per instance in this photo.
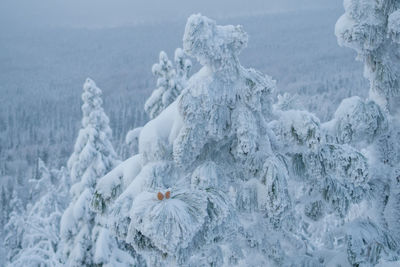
(104, 13)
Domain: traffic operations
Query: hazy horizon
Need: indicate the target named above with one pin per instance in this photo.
(103, 14)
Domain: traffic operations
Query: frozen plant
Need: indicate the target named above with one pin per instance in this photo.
(207, 186)
(170, 82)
(372, 27)
(15, 228)
(223, 177)
(357, 122)
(40, 241)
(84, 237)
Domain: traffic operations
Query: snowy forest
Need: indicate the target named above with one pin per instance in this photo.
(265, 136)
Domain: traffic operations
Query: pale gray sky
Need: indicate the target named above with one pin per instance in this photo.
(111, 13)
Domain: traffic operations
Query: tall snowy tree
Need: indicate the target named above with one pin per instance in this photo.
(223, 177)
(84, 238)
(372, 28)
(208, 186)
(170, 82)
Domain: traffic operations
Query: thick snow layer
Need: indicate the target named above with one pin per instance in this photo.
(170, 224)
(157, 136)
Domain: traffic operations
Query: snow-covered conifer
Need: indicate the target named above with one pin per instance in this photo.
(14, 228)
(356, 121)
(183, 66)
(41, 237)
(170, 82)
(83, 234)
(171, 79)
(204, 162)
(372, 29)
(223, 177)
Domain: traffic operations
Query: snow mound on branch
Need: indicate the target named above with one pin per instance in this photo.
(357, 121)
(297, 128)
(210, 43)
(170, 224)
(157, 136)
(112, 184)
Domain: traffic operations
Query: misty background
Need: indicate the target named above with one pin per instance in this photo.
(107, 13)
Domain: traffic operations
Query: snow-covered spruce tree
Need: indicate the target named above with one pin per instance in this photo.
(372, 28)
(85, 239)
(170, 82)
(337, 201)
(208, 186)
(40, 240)
(14, 228)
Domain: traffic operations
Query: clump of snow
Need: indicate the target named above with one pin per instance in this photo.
(357, 121)
(211, 44)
